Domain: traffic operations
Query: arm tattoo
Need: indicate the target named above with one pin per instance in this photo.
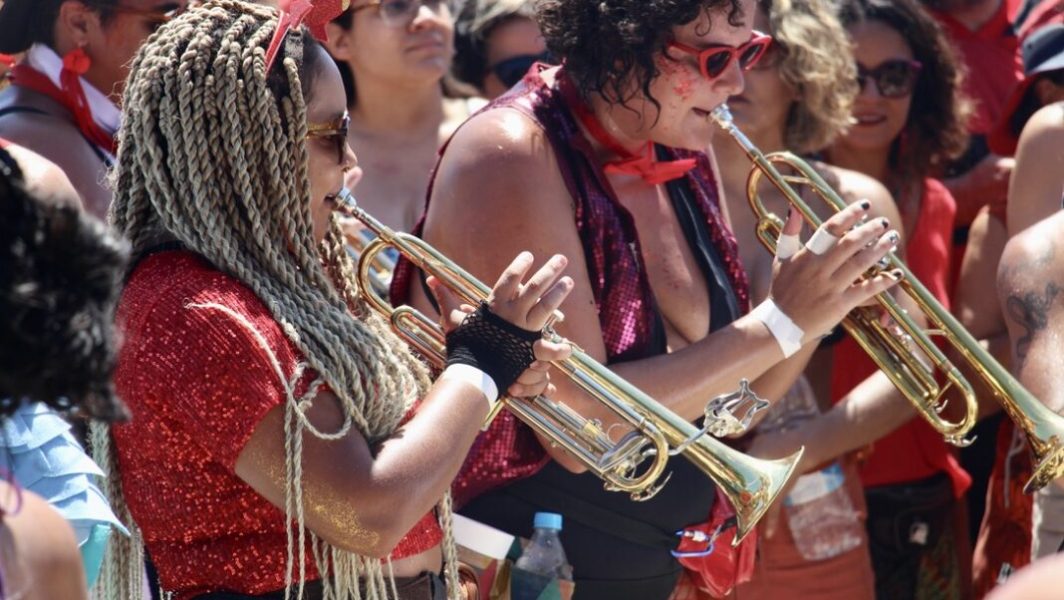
(1030, 310)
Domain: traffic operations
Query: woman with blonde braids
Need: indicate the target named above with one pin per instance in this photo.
(278, 446)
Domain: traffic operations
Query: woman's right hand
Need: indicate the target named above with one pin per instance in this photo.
(817, 291)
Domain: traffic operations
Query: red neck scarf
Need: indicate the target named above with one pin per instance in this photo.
(71, 97)
(645, 165)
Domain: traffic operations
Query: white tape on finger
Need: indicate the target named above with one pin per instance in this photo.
(787, 246)
(822, 241)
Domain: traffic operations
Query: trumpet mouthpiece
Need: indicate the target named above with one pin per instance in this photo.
(722, 115)
(345, 201)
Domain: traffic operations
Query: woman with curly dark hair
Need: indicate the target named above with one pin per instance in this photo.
(908, 121)
(605, 160)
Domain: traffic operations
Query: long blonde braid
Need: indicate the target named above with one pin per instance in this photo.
(213, 156)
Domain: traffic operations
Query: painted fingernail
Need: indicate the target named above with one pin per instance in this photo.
(865, 205)
(884, 223)
(894, 238)
(895, 275)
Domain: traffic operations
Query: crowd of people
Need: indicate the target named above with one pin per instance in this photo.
(199, 402)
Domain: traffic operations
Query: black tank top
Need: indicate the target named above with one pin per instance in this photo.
(619, 548)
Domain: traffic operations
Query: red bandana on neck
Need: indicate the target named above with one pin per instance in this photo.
(645, 165)
(71, 97)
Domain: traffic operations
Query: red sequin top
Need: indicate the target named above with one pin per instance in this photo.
(913, 451)
(197, 384)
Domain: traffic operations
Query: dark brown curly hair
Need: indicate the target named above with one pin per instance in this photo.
(936, 131)
(60, 272)
(606, 44)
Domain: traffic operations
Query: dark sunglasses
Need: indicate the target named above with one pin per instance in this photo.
(513, 69)
(714, 60)
(335, 132)
(893, 78)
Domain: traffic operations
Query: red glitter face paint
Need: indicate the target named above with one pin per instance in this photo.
(683, 80)
(684, 86)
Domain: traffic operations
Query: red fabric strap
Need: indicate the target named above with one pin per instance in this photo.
(71, 97)
(645, 165)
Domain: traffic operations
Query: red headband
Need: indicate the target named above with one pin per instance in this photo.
(295, 13)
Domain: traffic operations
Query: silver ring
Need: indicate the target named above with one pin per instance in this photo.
(822, 241)
(787, 246)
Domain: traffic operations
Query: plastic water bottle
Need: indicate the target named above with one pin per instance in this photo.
(544, 554)
(818, 509)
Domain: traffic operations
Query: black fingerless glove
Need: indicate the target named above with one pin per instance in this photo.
(492, 344)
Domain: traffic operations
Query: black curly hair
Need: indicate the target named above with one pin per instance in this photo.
(609, 44)
(60, 272)
(936, 131)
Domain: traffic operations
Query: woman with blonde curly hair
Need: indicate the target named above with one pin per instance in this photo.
(907, 118)
(283, 442)
(799, 98)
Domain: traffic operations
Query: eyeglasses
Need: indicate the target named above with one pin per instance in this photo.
(334, 132)
(513, 69)
(400, 13)
(714, 60)
(893, 78)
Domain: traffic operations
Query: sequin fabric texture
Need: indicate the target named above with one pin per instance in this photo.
(508, 450)
(197, 385)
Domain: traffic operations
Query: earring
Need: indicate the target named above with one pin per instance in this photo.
(77, 62)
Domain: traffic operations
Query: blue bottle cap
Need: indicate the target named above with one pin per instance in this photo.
(546, 520)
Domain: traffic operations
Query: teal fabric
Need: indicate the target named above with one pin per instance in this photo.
(92, 551)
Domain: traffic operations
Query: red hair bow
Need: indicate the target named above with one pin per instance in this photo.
(312, 13)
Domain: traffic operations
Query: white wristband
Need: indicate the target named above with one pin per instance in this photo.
(788, 335)
(475, 377)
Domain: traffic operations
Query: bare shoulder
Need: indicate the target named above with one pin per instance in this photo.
(498, 161)
(854, 186)
(40, 556)
(1045, 131)
(1031, 254)
(61, 143)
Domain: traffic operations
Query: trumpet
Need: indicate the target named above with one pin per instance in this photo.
(636, 462)
(383, 268)
(895, 349)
